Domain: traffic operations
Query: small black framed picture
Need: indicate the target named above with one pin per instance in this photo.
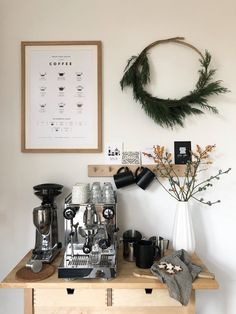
(182, 152)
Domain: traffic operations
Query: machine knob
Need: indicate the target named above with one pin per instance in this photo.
(87, 248)
(108, 212)
(99, 273)
(69, 213)
(104, 243)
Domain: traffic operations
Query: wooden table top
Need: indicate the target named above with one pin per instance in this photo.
(125, 278)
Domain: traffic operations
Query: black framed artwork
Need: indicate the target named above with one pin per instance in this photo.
(182, 151)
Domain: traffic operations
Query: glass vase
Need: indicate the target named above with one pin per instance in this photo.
(183, 232)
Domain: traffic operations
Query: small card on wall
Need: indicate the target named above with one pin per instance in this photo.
(131, 157)
(145, 159)
(113, 153)
(182, 152)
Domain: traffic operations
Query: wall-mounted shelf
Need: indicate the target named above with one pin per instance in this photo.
(110, 170)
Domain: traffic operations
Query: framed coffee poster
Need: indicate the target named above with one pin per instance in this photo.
(61, 96)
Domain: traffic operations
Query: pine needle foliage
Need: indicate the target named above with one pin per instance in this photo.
(170, 112)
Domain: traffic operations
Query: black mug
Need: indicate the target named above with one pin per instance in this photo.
(123, 177)
(144, 177)
(145, 253)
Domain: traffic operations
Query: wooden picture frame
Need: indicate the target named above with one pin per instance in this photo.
(61, 96)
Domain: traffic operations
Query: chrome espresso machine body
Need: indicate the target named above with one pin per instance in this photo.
(90, 239)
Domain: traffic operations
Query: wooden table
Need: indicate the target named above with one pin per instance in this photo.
(124, 294)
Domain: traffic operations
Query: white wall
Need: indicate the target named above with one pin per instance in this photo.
(125, 28)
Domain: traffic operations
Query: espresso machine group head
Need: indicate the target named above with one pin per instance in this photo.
(45, 221)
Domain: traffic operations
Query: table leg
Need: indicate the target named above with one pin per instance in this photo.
(28, 301)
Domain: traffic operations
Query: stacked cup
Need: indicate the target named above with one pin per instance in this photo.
(108, 195)
(96, 193)
(80, 193)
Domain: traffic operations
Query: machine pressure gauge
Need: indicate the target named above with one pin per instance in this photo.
(108, 212)
(69, 213)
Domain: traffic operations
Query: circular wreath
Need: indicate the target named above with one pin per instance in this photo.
(169, 112)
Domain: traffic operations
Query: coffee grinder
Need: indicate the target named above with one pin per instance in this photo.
(45, 221)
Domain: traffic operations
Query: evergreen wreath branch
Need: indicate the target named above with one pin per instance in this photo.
(170, 112)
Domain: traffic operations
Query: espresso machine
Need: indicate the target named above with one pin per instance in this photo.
(45, 221)
(90, 238)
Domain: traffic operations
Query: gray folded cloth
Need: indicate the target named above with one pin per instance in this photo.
(178, 272)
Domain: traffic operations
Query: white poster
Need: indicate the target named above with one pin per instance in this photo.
(62, 101)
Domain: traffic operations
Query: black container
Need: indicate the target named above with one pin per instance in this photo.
(146, 253)
(130, 239)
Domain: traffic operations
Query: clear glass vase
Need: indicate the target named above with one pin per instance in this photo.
(183, 232)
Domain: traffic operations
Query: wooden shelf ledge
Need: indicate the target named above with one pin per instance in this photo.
(110, 170)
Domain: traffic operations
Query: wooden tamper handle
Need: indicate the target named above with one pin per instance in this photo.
(202, 274)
